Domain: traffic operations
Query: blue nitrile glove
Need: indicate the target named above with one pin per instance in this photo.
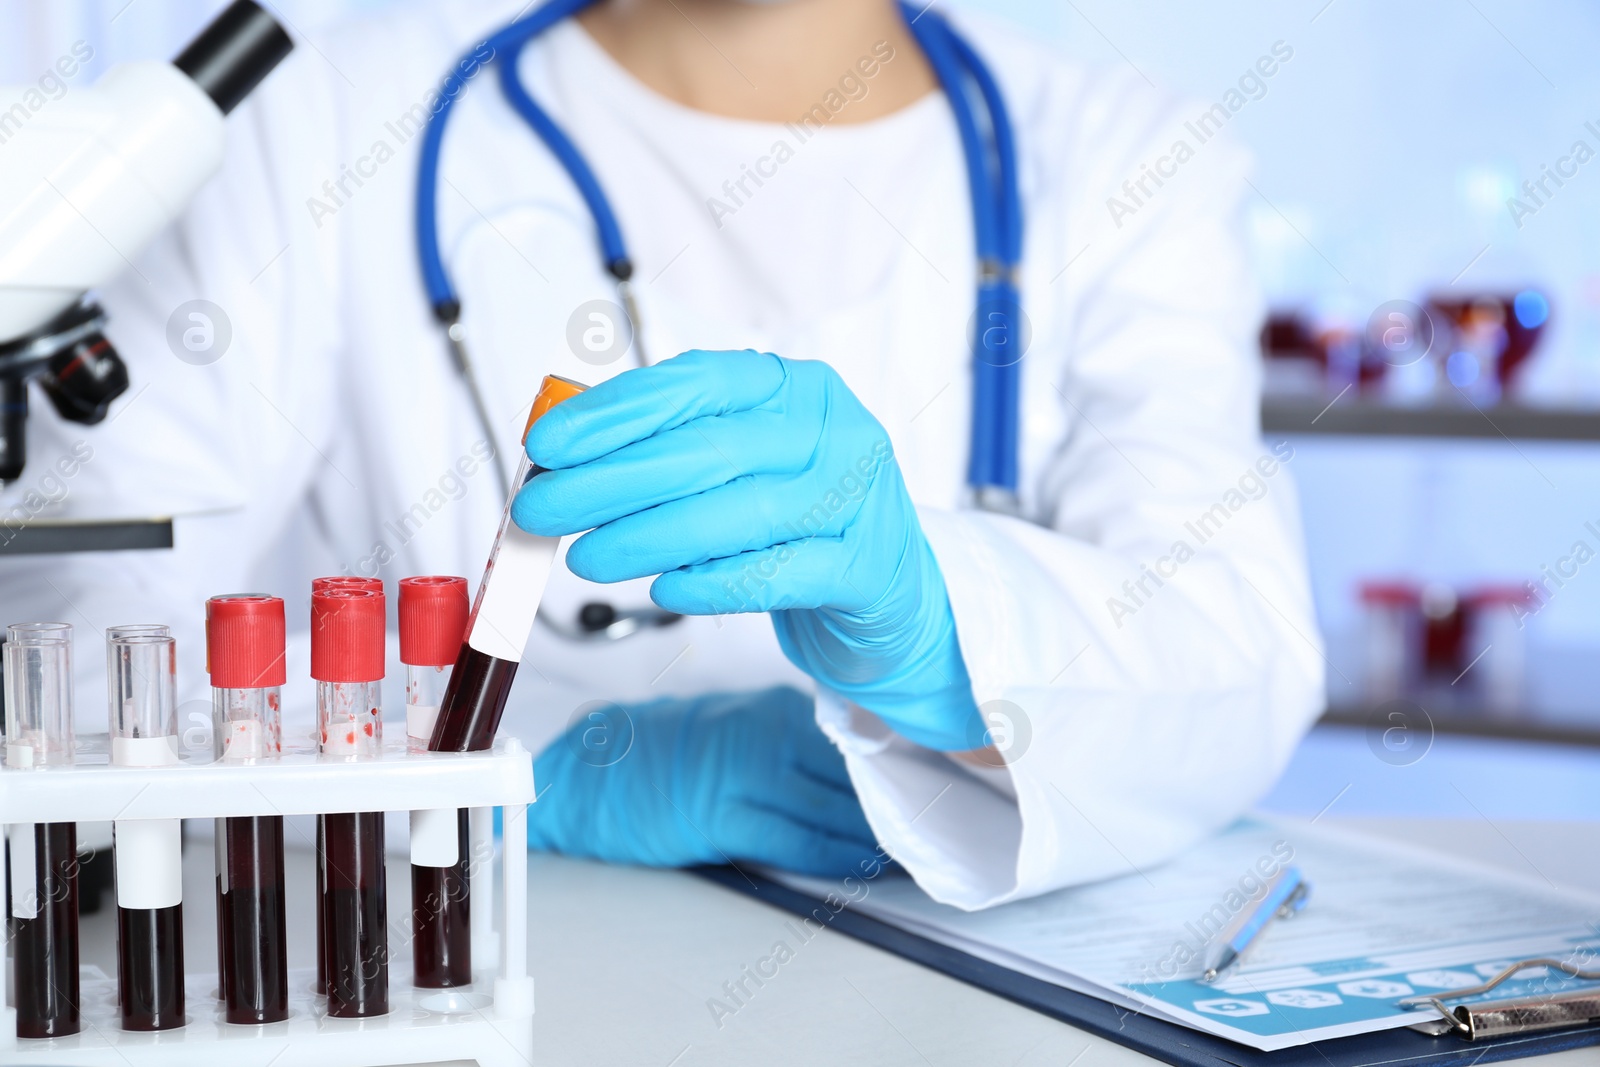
(754, 483)
(735, 776)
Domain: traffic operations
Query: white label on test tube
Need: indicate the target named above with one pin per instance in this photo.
(148, 854)
(244, 741)
(144, 751)
(434, 841)
(342, 742)
(24, 872)
(419, 722)
(513, 586)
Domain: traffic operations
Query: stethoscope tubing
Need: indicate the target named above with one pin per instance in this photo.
(507, 40)
(997, 231)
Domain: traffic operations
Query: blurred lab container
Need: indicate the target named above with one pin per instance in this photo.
(1444, 629)
(1391, 625)
(1497, 633)
(1451, 650)
(1454, 348)
(1490, 336)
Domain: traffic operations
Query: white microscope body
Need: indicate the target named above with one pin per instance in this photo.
(86, 182)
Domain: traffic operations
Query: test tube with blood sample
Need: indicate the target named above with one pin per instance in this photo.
(433, 619)
(245, 657)
(336, 581)
(141, 674)
(502, 615)
(347, 652)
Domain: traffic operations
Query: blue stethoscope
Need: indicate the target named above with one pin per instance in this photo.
(987, 142)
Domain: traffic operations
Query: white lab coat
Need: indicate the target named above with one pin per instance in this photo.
(334, 436)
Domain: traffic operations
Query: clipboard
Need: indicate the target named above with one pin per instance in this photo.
(1168, 1042)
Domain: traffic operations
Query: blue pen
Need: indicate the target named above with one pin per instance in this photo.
(1286, 894)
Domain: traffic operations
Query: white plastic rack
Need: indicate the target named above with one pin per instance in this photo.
(488, 1022)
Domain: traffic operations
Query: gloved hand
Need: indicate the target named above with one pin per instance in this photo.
(739, 776)
(754, 483)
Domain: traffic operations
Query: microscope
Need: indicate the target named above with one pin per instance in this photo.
(86, 182)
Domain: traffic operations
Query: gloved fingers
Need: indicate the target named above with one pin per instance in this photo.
(639, 403)
(816, 757)
(811, 787)
(776, 839)
(823, 790)
(580, 814)
(572, 799)
(795, 574)
(675, 464)
(558, 821)
(743, 516)
(826, 805)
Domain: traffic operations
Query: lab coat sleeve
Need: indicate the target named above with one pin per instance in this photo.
(1145, 646)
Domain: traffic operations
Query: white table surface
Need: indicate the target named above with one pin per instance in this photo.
(626, 959)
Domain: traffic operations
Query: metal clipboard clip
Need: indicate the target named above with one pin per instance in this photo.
(1501, 1018)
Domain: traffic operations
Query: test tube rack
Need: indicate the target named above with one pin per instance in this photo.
(489, 1022)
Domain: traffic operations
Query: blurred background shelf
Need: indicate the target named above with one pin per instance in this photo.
(1468, 722)
(1364, 418)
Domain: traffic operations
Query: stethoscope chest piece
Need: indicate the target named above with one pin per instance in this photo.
(600, 621)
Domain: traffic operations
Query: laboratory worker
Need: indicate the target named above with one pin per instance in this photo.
(918, 507)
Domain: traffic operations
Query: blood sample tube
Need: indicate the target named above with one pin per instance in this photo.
(44, 856)
(245, 656)
(336, 581)
(347, 630)
(502, 615)
(141, 675)
(433, 620)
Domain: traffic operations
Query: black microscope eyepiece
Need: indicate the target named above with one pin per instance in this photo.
(233, 54)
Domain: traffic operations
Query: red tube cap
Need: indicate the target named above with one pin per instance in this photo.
(244, 641)
(433, 619)
(1390, 594)
(346, 635)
